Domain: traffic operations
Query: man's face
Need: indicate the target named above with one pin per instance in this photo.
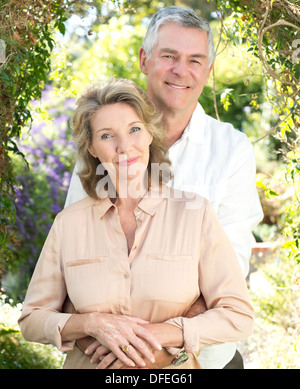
(177, 69)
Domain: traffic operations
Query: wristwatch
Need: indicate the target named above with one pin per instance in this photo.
(180, 358)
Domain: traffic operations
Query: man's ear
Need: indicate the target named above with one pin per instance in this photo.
(209, 72)
(143, 59)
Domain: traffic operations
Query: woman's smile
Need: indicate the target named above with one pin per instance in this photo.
(127, 162)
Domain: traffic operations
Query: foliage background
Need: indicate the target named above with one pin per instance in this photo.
(55, 49)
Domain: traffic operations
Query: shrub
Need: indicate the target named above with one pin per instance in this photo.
(15, 352)
(41, 187)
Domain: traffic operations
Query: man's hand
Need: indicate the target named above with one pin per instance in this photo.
(84, 343)
(162, 359)
(109, 361)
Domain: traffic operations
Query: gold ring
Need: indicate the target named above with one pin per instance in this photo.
(125, 348)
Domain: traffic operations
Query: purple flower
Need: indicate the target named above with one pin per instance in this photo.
(40, 191)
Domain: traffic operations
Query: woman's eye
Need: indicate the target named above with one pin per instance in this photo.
(135, 129)
(105, 136)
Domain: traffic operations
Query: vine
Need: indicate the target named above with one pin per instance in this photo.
(26, 39)
(271, 29)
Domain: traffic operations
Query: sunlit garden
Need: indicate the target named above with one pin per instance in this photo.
(57, 50)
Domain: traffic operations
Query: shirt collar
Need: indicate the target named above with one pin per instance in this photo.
(194, 131)
(103, 205)
(149, 203)
(152, 199)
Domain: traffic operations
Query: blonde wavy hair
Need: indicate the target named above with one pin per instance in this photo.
(117, 91)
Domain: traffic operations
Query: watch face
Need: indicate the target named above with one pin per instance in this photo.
(183, 357)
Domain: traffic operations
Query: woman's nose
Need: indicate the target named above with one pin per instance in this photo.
(123, 145)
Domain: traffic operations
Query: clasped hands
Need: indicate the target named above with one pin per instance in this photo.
(142, 342)
(124, 342)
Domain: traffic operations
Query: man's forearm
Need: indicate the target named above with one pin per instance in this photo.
(197, 308)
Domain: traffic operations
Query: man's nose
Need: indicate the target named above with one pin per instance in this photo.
(180, 67)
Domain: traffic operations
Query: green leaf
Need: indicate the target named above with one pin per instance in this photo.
(288, 245)
(273, 193)
(8, 331)
(261, 185)
(225, 96)
(279, 40)
(297, 70)
(62, 28)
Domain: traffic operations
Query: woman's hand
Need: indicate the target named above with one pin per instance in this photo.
(115, 331)
(108, 359)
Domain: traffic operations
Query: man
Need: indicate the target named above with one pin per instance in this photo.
(208, 157)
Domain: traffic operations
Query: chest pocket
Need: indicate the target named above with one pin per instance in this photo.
(170, 277)
(80, 262)
(87, 281)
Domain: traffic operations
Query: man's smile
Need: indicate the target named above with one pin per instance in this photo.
(177, 86)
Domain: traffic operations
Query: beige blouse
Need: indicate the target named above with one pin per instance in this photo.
(180, 251)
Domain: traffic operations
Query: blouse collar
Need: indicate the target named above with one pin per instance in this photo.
(149, 203)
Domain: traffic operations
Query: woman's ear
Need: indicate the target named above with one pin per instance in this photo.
(151, 138)
(91, 150)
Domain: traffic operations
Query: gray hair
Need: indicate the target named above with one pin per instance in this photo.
(185, 17)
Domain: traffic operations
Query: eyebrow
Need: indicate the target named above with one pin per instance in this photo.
(173, 51)
(110, 128)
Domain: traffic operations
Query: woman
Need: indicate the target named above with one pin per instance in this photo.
(135, 255)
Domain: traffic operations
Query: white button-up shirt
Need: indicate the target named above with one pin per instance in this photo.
(217, 162)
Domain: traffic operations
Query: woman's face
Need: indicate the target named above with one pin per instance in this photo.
(120, 141)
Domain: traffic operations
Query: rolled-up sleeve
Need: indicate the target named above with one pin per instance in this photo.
(41, 319)
(229, 315)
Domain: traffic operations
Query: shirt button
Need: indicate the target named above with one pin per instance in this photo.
(124, 310)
